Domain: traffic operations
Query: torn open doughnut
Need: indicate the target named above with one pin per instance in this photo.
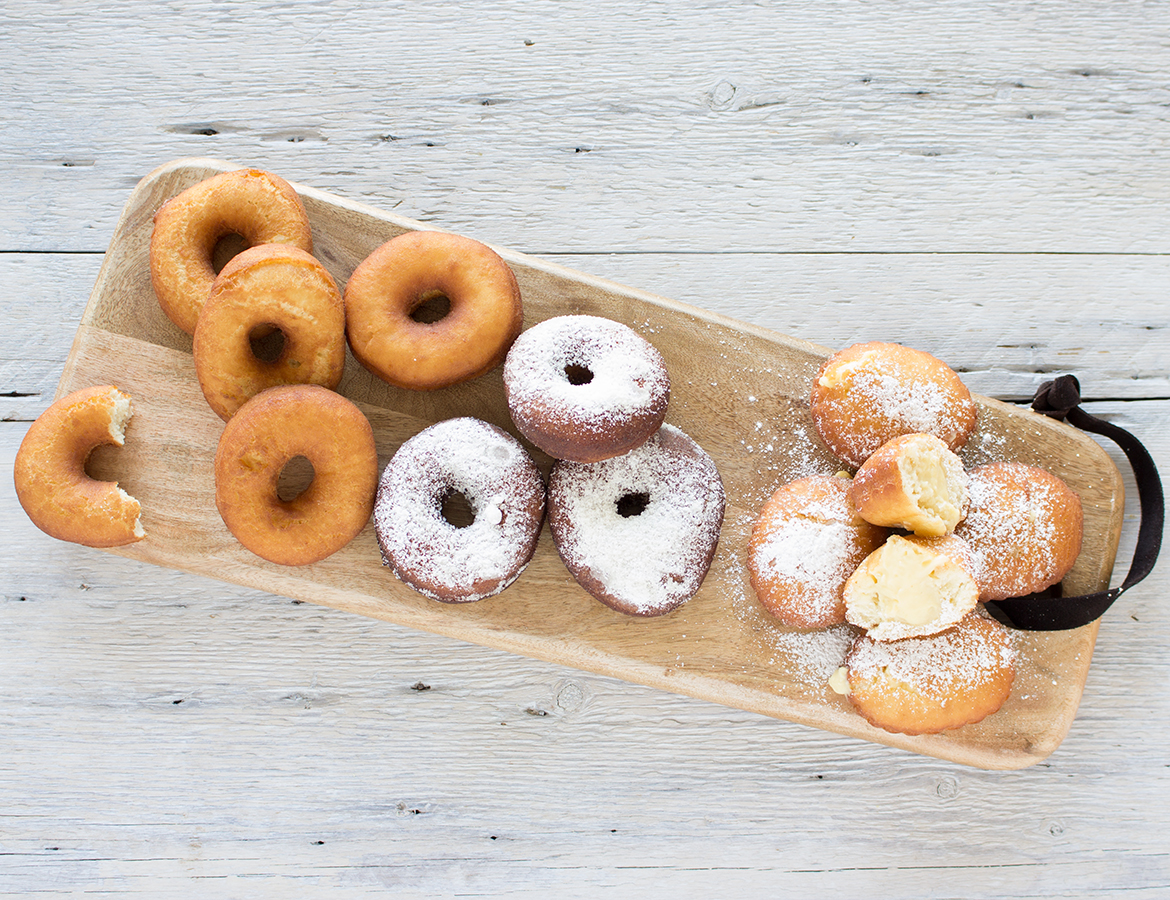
(429, 309)
(639, 531)
(807, 541)
(1024, 526)
(870, 393)
(51, 482)
(585, 388)
(268, 432)
(913, 482)
(925, 685)
(252, 206)
(274, 316)
(459, 510)
(912, 587)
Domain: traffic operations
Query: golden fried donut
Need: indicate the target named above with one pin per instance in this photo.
(930, 684)
(439, 554)
(51, 483)
(585, 388)
(274, 427)
(385, 293)
(807, 541)
(870, 393)
(1024, 526)
(259, 207)
(913, 482)
(912, 587)
(264, 290)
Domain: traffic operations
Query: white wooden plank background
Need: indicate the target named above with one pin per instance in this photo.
(987, 181)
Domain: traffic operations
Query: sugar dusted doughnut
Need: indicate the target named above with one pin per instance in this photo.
(273, 428)
(51, 483)
(639, 531)
(807, 541)
(430, 548)
(257, 206)
(1024, 526)
(930, 684)
(265, 290)
(913, 482)
(585, 388)
(912, 587)
(423, 269)
(870, 393)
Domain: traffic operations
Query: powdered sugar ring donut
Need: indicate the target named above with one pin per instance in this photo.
(501, 484)
(639, 531)
(585, 388)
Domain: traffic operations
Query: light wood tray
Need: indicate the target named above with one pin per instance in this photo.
(739, 390)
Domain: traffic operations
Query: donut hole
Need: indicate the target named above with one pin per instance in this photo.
(578, 374)
(228, 245)
(267, 342)
(294, 479)
(456, 509)
(632, 504)
(433, 306)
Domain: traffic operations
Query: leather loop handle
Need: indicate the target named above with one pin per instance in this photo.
(1048, 610)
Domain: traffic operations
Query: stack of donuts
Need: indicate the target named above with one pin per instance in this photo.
(908, 547)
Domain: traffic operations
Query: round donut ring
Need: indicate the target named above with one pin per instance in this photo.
(418, 268)
(459, 563)
(274, 427)
(267, 289)
(260, 207)
(51, 483)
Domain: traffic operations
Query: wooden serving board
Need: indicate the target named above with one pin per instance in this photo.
(739, 390)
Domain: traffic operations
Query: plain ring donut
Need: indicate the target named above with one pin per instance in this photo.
(429, 309)
(422, 537)
(259, 207)
(277, 294)
(51, 482)
(273, 428)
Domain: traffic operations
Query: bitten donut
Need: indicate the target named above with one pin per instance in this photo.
(435, 552)
(807, 541)
(639, 531)
(913, 482)
(268, 292)
(871, 393)
(931, 684)
(279, 425)
(912, 587)
(420, 272)
(585, 388)
(51, 483)
(259, 207)
(1024, 526)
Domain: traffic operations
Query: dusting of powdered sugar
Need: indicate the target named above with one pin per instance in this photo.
(652, 561)
(501, 484)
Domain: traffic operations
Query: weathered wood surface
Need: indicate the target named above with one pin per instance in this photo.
(985, 181)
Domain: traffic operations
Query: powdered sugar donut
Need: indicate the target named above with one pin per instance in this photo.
(584, 388)
(639, 531)
(1024, 526)
(806, 542)
(426, 544)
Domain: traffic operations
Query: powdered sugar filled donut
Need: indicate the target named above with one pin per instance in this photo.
(584, 388)
(432, 549)
(639, 531)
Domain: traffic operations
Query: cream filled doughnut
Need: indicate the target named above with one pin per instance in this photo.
(639, 531)
(265, 291)
(585, 388)
(429, 547)
(469, 286)
(259, 207)
(51, 483)
(913, 482)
